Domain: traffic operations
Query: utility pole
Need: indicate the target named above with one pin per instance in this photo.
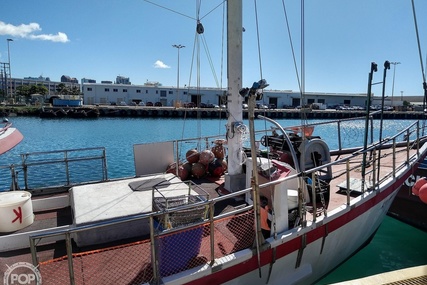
(8, 74)
(394, 74)
(177, 80)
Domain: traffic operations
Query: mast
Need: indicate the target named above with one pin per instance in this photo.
(234, 179)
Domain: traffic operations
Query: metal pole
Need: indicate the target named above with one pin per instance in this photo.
(69, 249)
(177, 79)
(386, 67)
(394, 74)
(10, 72)
(368, 105)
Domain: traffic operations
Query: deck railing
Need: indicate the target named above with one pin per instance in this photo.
(220, 234)
(50, 170)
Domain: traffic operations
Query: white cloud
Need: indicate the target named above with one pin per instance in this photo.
(160, 64)
(29, 32)
(60, 37)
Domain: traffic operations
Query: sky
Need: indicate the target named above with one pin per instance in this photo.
(134, 38)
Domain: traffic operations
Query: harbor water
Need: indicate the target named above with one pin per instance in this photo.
(395, 245)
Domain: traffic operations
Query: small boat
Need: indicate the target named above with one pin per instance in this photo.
(9, 137)
(254, 206)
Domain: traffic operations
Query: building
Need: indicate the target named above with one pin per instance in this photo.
(66, 78)
(40, 78)
(106, 94)
(123, 80)
(87, 80)
(52, 86)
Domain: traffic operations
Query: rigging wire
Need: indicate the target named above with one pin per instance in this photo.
(258, 41)
(259, 53)
(418, 41)
(213, 9)
(200, 39)
(300, 75)
(421, 62)
(171, 10)
(303, 114)
(205, 46)
(292, 45)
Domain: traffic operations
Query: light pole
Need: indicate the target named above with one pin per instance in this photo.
(394, 73)
(177, 79)
(10, 72)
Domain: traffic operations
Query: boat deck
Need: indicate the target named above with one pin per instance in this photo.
(96, 261)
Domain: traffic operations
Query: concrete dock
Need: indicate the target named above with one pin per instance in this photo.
(408, 276)
(214, 113)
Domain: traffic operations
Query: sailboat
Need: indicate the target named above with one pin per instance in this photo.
(284, 210)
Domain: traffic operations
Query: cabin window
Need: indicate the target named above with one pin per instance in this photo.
(89, 89)
(107, 89)
(115, 90)
(138, 91)
(125, 90)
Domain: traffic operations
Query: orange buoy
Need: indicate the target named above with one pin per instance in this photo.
(187, 166)
(417, 186)
(224, 164)
(216, 168)
(206, 157)
(183, 172)
(171, 168)
(423, 193)
(198, 169)
(219, 151)
(192, 156)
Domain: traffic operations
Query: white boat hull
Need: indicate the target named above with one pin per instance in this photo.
(342, 238)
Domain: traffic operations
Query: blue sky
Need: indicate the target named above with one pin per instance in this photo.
(133, 38)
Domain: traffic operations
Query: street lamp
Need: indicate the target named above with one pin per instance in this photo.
(394, 73)
(177, 80)
(10, 72)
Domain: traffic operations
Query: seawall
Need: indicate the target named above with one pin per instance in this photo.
(171, 112)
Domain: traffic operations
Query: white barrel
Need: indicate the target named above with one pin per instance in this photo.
(16, 211)
(292, 199)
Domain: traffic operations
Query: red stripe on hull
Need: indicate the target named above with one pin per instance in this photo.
(282, 250)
